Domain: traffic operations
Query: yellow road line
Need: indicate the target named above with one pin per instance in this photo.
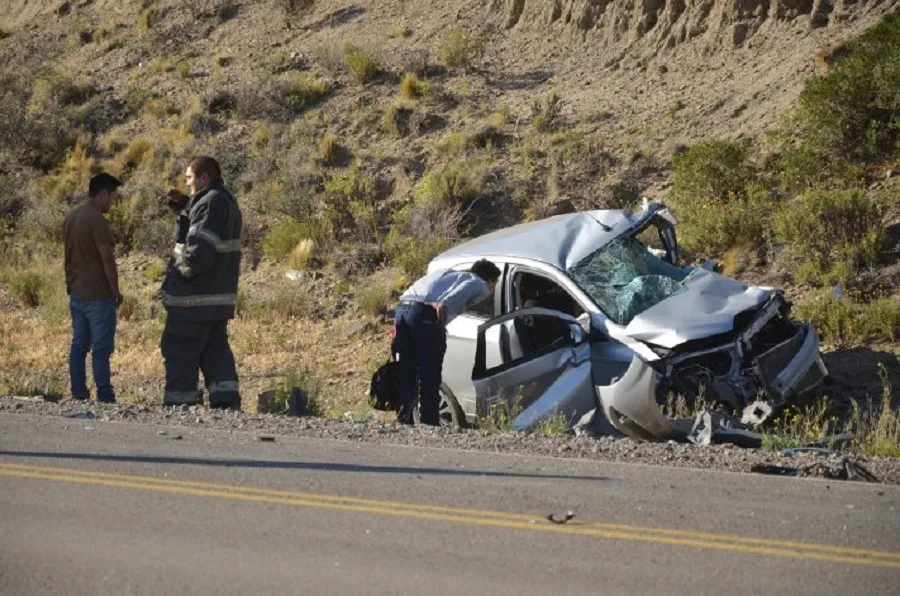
(724, 542)
(461, 511)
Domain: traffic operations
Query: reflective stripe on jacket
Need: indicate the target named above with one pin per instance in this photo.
(202, 277)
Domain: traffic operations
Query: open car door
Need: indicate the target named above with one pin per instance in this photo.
(552, 377)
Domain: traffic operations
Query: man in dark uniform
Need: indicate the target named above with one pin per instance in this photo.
(200, 290)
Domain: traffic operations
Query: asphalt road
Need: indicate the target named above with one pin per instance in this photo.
(88, 507)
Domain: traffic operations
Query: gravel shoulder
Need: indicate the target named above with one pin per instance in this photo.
(624, 450)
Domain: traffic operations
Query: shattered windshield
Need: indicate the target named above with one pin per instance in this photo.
(625, 279)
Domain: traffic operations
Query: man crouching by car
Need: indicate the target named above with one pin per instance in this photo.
(421, 338)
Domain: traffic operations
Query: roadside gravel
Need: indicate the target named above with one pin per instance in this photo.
(270, 426)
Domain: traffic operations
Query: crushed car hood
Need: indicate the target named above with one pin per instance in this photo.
(705, 306)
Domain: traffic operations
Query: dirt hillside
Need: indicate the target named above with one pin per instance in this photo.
(636, 82)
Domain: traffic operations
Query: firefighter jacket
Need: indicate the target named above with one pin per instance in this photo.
(202, 277)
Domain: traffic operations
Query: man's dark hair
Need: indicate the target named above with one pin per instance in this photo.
(102, 181)
(204, 164)
(486, 270)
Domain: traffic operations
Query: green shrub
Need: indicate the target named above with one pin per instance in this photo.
(284, 238)
(458, 49)
(291, 95)
(362, 65)
(412, 87)
(142, 222)
(718, 198)
(351, 206)
(854, 110)
(848, 323)
(307, 384)
(545, 114)
(375, 298)
(413, 254)
(454, 184)
(833, 232)
(43, 222)
(28, 287)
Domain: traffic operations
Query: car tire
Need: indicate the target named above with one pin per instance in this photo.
(451, 415)
(449, 412)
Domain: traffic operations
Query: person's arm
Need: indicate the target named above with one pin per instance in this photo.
(204, 238)
(470, 292)
(104, 242)
(108, 257)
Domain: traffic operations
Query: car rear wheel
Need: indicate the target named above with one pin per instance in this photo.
(451, 415)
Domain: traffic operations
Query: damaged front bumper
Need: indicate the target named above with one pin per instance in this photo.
(769, 362)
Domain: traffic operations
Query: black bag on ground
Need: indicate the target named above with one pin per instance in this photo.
(384, 387)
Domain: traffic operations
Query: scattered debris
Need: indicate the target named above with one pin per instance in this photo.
(569, 515)
(176, 437)
(83, 416)
(715, 427)
(846, 468)
(266, 438)
(818, 450)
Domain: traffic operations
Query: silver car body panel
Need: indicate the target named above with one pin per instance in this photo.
(570, 391)
(706, 306)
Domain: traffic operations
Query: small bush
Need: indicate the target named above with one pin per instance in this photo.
(833, 232)
(138, 153)
(43, 222)
(849, 323)
(401, 32)
(159, 66)
(159, 109)
(286, 98)
(28, 287)
(56, 91)
(328, 148)
(878, 433)
(360, 63)
(146, 19)
(142, 222)
(183, 69)
(73, 174)
(396, 117)
(284, 238)
(852, 112)
(458, 49)
(718, 198)
(453, 184)
(376, 298)
(545, 114)
(307, 384)
(412, 87)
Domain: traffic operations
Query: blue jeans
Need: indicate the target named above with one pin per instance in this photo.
(93, 330)
(421, 342)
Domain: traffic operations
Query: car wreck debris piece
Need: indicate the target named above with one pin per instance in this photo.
(569, 515)
(267, 438)
(714, 427)
(83, 416)
(846, 468)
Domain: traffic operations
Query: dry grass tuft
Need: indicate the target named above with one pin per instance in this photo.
(458, 49)
(301, 254)
(361, 64)
(412, 87)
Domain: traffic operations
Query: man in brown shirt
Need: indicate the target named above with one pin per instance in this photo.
(92, 283)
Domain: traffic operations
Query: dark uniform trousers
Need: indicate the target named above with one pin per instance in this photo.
(189, 347)
(421, 342)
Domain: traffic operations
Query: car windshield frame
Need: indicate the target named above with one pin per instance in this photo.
(639, 280)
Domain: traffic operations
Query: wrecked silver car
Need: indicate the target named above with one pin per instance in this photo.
(589, 321)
